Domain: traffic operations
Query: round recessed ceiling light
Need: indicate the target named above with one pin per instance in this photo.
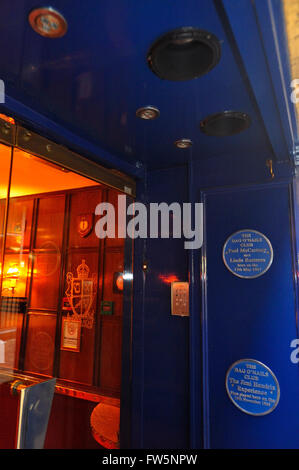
(183, 143)
(225, 123)
(184, 54)
(148, 113)
(47, 22)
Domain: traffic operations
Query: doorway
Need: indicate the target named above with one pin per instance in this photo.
(62, 291)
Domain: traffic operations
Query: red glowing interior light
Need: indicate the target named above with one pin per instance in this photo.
(168, 278)
(7, 118)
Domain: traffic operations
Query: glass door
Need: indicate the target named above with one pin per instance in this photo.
(61, 298)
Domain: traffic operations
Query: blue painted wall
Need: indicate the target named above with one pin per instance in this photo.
(179, 364)
(233, 319)
(160, 393)
(253, 318)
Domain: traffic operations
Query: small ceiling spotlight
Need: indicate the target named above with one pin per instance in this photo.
(47, 22)
(148, 113)
(225, 123)
(183, 143)
(183, 54)
(145, 266)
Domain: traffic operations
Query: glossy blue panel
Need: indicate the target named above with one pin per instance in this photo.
(252, 55)
(83, 91)
(195, 352)
(91, 81)
(270, 16)
(253, 318)
(160, 398)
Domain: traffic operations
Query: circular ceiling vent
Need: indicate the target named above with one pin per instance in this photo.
(184, 54)
(47, 22)
(225, 123)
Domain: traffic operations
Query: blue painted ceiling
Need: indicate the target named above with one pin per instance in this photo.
(90, 82)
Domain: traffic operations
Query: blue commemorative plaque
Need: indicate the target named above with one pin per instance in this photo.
(252, 387)
(247, 254)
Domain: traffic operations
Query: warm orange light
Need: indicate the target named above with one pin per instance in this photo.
(33, 175)
(168, 278)
(11, 278)
(120, 282)
(13, 271)
(7, 118)
(291, 14)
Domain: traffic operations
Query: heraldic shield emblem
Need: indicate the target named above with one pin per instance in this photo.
(84, 224)
(80, 294)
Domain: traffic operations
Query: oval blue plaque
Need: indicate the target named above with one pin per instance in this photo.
(252, 387)
(247, 254)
